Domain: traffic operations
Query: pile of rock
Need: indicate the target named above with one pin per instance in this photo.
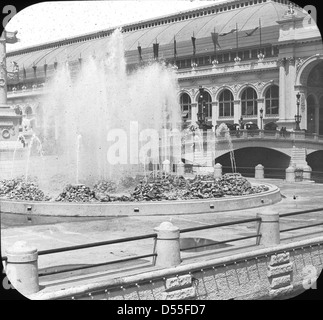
(7, 186)
(77, 193)
(155, 187)
(19, 189)
(236, 185)
(201, 187)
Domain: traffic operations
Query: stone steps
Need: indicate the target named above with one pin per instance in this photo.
(298, 157)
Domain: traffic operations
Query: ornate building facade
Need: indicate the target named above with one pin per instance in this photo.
(252, 58)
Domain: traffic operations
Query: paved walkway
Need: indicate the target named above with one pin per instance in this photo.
(296, 197)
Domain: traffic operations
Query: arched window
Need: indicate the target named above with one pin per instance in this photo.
(28, 111)
(272, 101)
(186, 107)
(249, 102)
(226, 104)
(207, 104)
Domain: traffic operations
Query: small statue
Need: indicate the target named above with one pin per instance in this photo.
(15, 66)
(291, 9)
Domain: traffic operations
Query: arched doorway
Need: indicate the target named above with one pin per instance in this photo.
(320, 111)
(309, 82)
(206, 105)
(311, 114)
(315, 89)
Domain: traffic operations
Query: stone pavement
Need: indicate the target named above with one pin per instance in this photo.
(296, 197)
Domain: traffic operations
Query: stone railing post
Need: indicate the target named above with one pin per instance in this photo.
(180, 168)
(217, 170)
(168, 245)
(259, 172)
(290, 174)
(307, 171)
(166, 166)
(268, 228)
(22, 268)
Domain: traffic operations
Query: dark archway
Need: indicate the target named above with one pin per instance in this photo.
(310, 114)
(314, 111)
(315, 161)
(246, 159)
(321, 116)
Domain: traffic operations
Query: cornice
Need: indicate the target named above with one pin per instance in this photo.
(298, 42)
(209, 73)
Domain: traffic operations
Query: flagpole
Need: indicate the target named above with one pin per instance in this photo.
(261, 55)
(215, 57)
(175, 50)
(260, 36)
(237, 59)
(237, 45)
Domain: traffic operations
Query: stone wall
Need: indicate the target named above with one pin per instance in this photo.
(277, 272)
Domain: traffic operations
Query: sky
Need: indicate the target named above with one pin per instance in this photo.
(49, 21)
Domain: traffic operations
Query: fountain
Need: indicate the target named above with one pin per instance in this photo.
(78, 147)
(111, 110)
(39, 151)
(105, 125)
(223, 131)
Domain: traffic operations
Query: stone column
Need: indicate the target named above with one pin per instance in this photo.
(180, 168)
(291, 91)
(307, 170)
(290, 174)
(22, 268)
(217, 170)
(215, 113)
(194, 112)
(260, 103)
(168, 245)
(166, 166)
(259, 172)
(282, 93)
(237, 111)
(268, 227)
(3, 71)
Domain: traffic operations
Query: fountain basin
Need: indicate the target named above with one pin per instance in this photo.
(51, 212)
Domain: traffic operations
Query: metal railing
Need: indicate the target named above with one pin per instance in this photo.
(97, 244)
(258, 235)
(298, 213)
(218, 225)
(269, 134)
(275, 173)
